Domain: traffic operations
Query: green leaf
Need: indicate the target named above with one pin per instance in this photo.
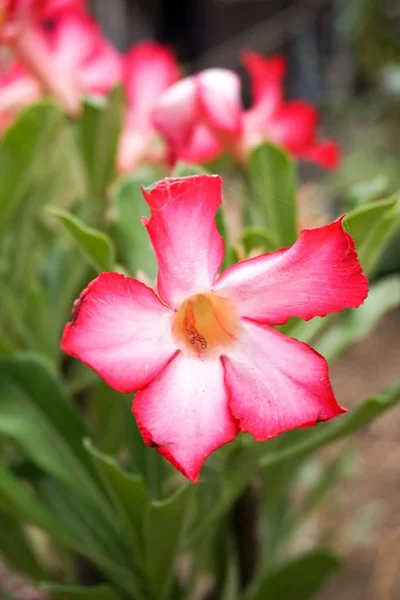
(22, 150)
(66, 592)
(165, 526)
(98, 135)
(183, 169)
(16, 499)
(299, 579)
(95, 245)
(367, 191)
(35, 414)
(372, 226)
(273, 185)
(131, 236)
(354, 325)
(16, 548)
(255, 238)
(127, 493)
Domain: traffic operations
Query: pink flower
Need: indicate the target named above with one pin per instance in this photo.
(149, 69)
(202, 116)
(203, 353)
(17, 90)
(62, 48)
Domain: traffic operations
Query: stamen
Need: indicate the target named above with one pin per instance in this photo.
(205, 324)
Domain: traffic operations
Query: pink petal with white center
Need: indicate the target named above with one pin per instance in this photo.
(319, 274)
(184, 413)
(276, 383)
(219, 96)
(177, 112)
(182, 229)
(149, 69)
(120, 329)
(266, 76)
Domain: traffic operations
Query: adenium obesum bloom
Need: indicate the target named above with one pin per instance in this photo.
(202, 116)
(61, 47)
(149, 69)
(202, 351)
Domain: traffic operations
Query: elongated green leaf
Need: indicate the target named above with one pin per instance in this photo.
(66, 592)
(298, 580)
(255, 238)
(127, 493)
(273, 185)
(18, 501)
(16, 548)
(36, 416)
(165, 526)
(131, 236)
(98, 134)
(21, 152)
(355, 325)
(372, 226)
(95, 245)
(367, 191)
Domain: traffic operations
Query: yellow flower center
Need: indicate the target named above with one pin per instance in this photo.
(205, 325)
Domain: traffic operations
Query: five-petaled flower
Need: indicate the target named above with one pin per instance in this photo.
(202, 116)
(202, 352)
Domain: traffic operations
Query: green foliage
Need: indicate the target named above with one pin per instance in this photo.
(69, 592)
(372, 226)
(95, 245)
(299, 579)
(273, 186)
(98, 134)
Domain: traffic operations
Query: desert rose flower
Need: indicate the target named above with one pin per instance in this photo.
(202, 350)
(202, 116)
(61, 47)
(149, 69)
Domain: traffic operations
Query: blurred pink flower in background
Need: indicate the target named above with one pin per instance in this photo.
(202, 350)
(149, 69)
(17, 89)
(61, 47)
(202, 116)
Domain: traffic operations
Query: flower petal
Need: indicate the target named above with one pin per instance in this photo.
(184, 413)
(276, 383)
(149, 70)
(120, 329)
(202, 147)
(182, 229)
(318, 275)
(266, 76)
(294, 126)
(219, 96)
(177, 112)
(325, 154)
